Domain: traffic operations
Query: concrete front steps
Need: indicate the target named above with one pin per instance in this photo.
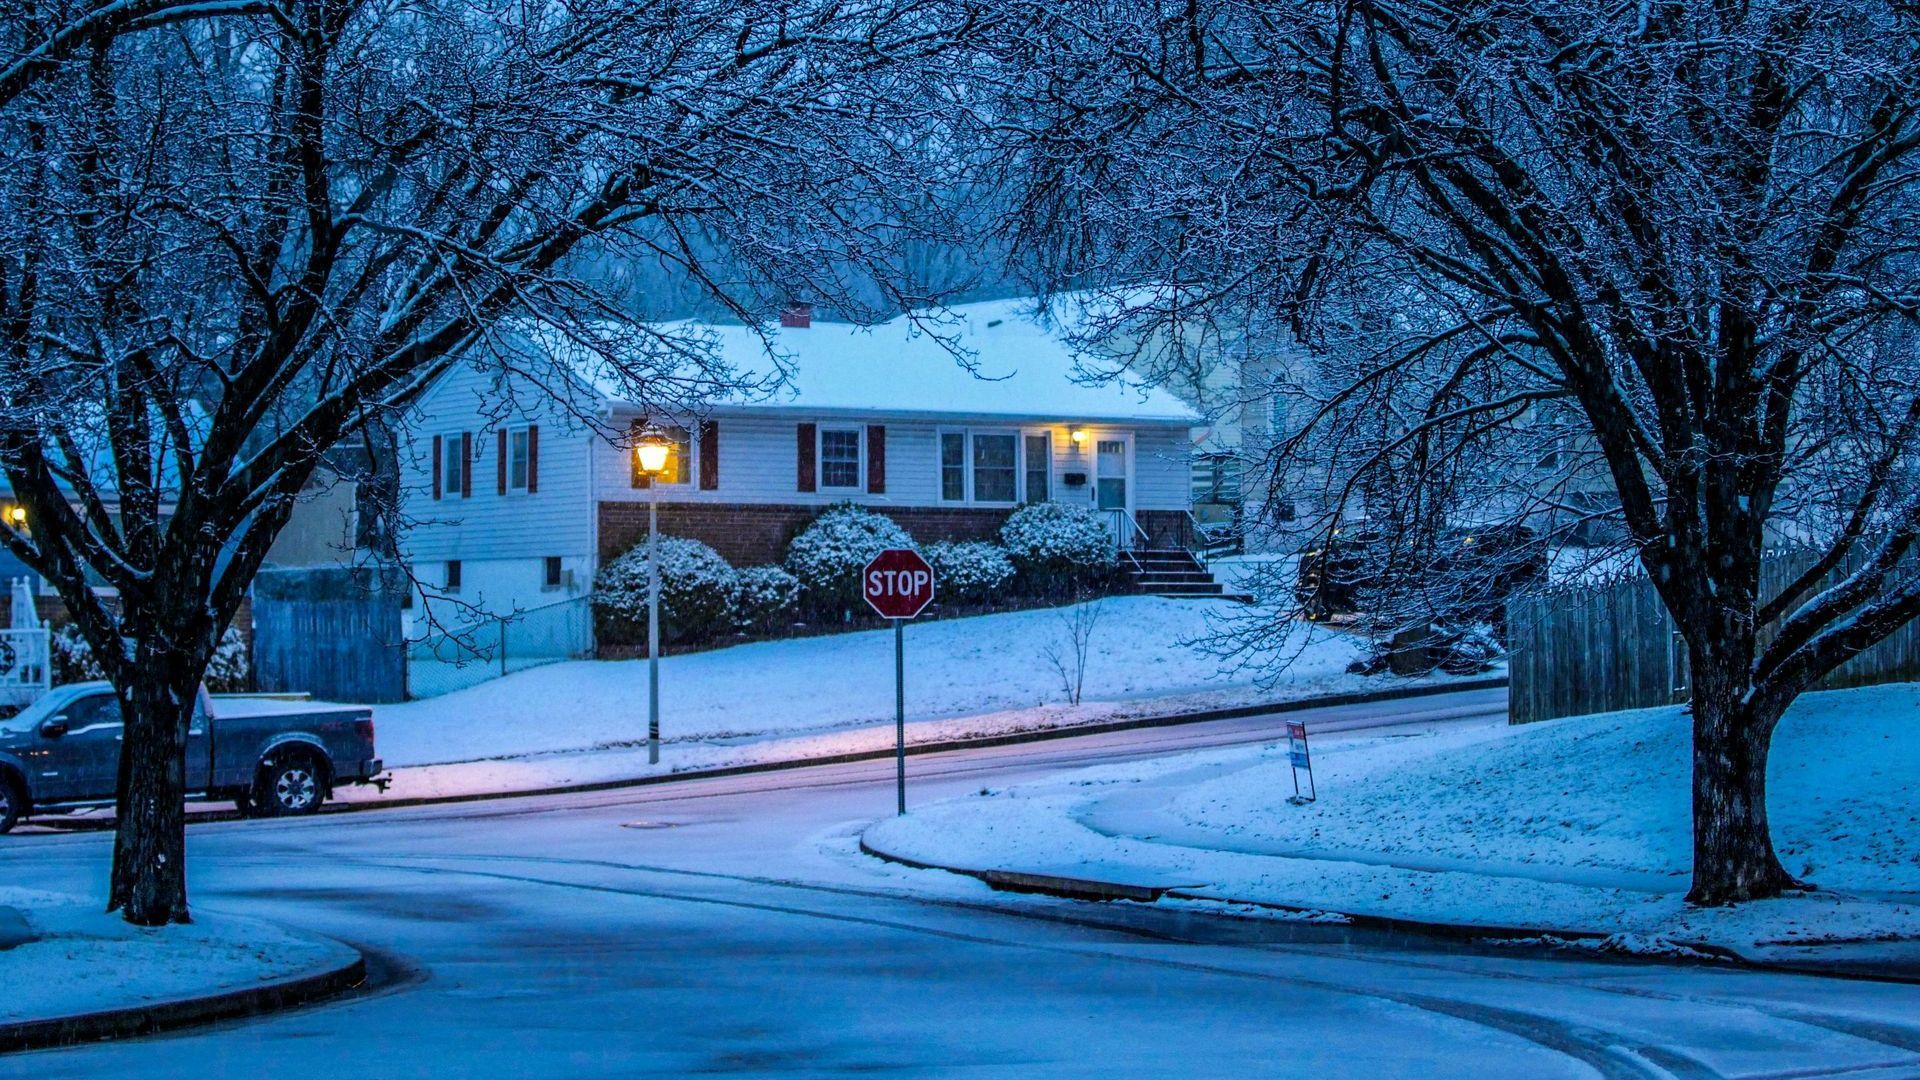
(1173, 573)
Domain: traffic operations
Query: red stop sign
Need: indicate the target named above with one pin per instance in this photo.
(898, 583)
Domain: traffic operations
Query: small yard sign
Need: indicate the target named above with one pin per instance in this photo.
(898, 584)
(1301, 760)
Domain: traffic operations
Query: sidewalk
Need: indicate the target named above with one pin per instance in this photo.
(1402, 839)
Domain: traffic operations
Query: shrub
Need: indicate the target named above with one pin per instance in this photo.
(1057, 547)
(229, 672)
(72, 657)
(829, 553)
(763, 598)
(970, 572)
(696, 593)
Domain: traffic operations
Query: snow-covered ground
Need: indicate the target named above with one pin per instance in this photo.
(1578, 824)
(79, 959)
(585, 721)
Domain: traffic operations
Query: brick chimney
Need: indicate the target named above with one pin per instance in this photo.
(797, 315)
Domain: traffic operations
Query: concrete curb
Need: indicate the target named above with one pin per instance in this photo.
(1077, 888)
(184, 1012)
(1201, 716)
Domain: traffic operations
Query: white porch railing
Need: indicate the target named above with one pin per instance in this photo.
(26, 668)
(1125, 531)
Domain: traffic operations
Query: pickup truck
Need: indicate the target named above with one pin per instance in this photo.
(271, 757)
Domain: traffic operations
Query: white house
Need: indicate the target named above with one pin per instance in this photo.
(516, 500)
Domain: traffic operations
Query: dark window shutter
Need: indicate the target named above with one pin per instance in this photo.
(640, 478)
(438, 449)
(876, 459)
(709, 455)
(466, 464)
(805, 451)
(533, 458)
(500, 466)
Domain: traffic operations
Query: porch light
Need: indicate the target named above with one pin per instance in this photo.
(652, 450)
(1078, 434)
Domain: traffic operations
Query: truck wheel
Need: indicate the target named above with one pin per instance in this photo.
(10, 803)
(291, 783)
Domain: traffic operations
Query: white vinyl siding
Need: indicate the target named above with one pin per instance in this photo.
(485, 528)
(758, 465)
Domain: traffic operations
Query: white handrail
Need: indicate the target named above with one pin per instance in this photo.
(1123, 541)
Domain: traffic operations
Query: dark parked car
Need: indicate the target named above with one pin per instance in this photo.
(271, 757)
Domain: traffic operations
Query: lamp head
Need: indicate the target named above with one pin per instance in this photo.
(652, 449)
(1078, 434)
(17, 516)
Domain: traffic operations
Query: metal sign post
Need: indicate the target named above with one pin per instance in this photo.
(1299, 758)
(900, 711)
(898, 584)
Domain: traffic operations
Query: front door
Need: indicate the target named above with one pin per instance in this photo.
(1112, 468)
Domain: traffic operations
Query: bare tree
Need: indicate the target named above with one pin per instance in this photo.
(1067, 652)
(1660, 252)
(233, 234)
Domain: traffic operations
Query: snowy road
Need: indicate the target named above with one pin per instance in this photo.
(731, 927)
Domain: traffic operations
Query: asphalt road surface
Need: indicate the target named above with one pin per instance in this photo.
(731, 927)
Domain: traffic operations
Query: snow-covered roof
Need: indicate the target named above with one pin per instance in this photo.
(991, 359)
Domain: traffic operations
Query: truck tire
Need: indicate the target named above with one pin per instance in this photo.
(11, 803)
(291, 783)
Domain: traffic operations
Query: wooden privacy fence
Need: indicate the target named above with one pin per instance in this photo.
(1608, 647)
(334, 633)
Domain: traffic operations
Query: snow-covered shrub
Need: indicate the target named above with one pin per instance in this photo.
(696, 593)
(970, 571)
(229, 672)
(72, 657)
(829, 553)
(763, 598)
(1056, 547)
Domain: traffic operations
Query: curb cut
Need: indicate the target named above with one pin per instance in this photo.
(1236, 712)
(1076, 888)
(141, 1020)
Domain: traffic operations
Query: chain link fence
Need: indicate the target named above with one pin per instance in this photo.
(460, 657)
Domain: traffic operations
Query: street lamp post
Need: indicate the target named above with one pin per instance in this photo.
(652, 449)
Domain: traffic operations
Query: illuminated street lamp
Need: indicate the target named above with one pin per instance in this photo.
(651, 450)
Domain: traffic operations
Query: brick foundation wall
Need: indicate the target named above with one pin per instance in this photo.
(751, 535)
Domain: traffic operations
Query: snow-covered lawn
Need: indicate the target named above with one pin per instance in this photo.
(973, 676)
(1578, 824)
(78, 959)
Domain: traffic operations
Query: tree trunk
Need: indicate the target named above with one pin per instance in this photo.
(149, 884)
(1733, 857)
